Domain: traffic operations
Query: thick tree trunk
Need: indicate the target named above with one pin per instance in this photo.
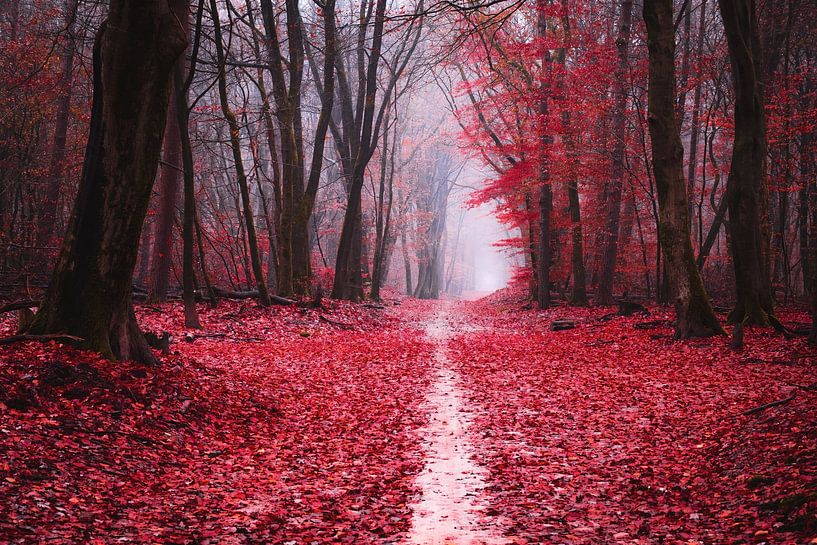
(348, 283)
(694, 315)
(89, 295)
(746, 185)
(604, 292)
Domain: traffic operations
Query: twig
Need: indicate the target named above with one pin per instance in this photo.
(333, 322)
(769, 405)
(807, 388)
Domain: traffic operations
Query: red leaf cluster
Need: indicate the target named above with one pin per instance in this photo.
(611, 434)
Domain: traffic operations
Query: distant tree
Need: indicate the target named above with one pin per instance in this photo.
(604, 293)
(238, 160)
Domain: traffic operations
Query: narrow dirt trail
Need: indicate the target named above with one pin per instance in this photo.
(451, 507)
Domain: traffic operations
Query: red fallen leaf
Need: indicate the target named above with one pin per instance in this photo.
(318, 437)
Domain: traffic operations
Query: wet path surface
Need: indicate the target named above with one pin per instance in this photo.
(451, 509)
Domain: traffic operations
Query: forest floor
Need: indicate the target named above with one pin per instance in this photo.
(423, 422)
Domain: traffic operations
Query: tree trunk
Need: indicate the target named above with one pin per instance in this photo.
(696, 116)
(89, 294)
(46, 226)
(578, 296)
(604, 293)
(746, 186)
(383, 212)
(694, 315)
(238, 161)
(406, 262)
(181, 87)
(161, 254)
(544, 257)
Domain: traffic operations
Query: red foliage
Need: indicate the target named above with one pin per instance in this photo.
(606, 433)
(601, 434)
(306, 435)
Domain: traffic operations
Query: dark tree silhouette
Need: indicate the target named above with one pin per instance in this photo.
(89, 294)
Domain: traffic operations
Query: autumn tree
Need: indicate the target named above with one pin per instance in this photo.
(694, 315)
(365, 91)
(89, 294)
(299, 184)
(604, 293)
(747, 186)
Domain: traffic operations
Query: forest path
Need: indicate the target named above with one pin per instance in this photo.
(451, 507)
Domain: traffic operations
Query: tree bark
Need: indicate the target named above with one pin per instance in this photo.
(544, 258)
(238, 161)
(746, 185)
(89, 294)
(694, 314)
(57, 165)
(170, 170)
(604, 291)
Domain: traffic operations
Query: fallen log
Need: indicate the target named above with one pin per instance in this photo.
(652, 324)
(17, 305)
(628, 308)
(41, 338)
(336, 323)
(190, 337)
(252, 294)
(562, 325)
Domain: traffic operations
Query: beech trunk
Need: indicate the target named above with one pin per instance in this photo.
(89, 294)
(694, 314)
(746, 189)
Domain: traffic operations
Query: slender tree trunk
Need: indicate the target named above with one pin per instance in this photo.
(544, 257)
(530, 255)
(746, 185)
(406, 262)
(271, 212)
(694, 315)
(181, 85)
(804, 196)
(578, 296)
(162, 250)
(604, 293)
(696, 116)
(238, 161)
(46, 225)
(382, 215)
(89, 294)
